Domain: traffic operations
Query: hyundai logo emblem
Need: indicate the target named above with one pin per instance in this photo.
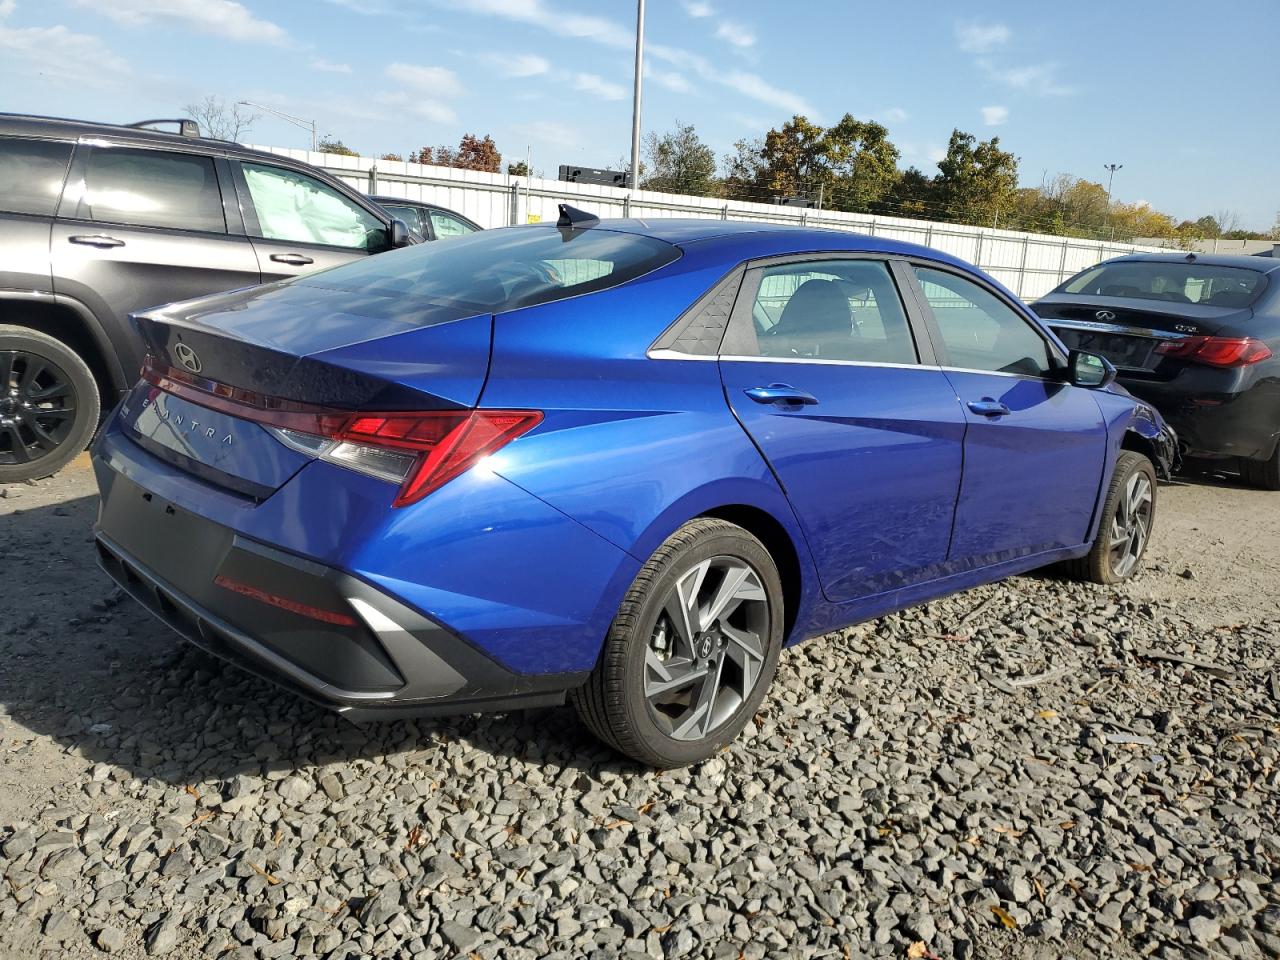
(187, 357)
(1104, 315)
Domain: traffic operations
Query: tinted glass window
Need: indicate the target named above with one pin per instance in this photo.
(495, 270)
(31, 175)
(152, 188)
(832, 310)
(301, 209)
(1175, 282)
(412, 217)
(449, 226)
(981, 331)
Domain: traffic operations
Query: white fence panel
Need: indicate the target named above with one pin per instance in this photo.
(1029, 264)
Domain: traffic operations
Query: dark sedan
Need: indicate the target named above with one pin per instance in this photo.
(426, 221)
(1198, 337)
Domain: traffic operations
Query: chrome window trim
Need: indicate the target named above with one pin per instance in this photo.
(677, 355)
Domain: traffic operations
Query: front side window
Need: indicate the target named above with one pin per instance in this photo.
(151, 188)
(832, 310)
(412, 216)
(449, 226)
(294, 207)
(31, 175)
(981, 331)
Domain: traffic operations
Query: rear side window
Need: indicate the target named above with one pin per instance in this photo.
(832, 310)
(31, 175)
(294, 207)
(1173, 282)
(151, 188)
(491, 271)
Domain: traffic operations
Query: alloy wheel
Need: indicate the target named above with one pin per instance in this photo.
(707, 649)
(37, 407)
(1131, 525)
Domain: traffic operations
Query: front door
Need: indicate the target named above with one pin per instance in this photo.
(1036, 446)
(821, 367)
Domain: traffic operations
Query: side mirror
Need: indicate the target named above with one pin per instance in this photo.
(1090, 370)
(400, 236)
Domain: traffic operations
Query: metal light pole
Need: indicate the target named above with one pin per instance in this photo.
(635, 107)
(1111, 169)
(296, 121)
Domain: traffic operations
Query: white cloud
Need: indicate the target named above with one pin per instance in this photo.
(6, 8)
(698, 9)
(669, 80)
(324, 66)
(223, 18)
(757, 88)
(416, 103)
(521, 65)
(59, 52)
(599, 87)
(437, 81)
(736, 34)
(894, 114)
(557, 21)
(994, 116)
(1040, 78)
(981, 37)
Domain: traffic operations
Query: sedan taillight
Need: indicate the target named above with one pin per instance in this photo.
(1216, 351)
(419, 450)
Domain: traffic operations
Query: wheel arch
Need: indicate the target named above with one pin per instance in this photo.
(73, 324)
(781, 547)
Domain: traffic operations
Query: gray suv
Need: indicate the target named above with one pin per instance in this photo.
(98, 221)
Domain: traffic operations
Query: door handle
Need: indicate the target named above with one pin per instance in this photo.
(779, 393)
(96, 240)
(293, 259)
(988, 408)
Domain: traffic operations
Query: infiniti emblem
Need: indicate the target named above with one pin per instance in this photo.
(1104, 315)
(187, 357)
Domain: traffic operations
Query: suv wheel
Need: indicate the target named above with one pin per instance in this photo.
(692, 650)
(1262, 473)
(48, 404)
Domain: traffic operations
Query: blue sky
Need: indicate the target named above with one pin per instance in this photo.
(1176, 92)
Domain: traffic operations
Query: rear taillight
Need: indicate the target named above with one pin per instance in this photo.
(419, 450)
(1216, 351)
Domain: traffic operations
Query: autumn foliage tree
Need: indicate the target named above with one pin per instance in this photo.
(472, 153)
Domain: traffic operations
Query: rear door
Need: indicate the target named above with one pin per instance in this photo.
(1036, 446)
(823, 369)
(31, 175)
(299, 223)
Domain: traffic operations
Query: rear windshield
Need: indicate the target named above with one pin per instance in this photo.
(1175, 282)
(497, 270)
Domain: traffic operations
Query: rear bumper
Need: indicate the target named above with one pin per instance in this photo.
(1214, 413)
(313, 629)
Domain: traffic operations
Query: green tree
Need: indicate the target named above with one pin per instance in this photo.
(913, 195)
(745, 172)
(518, 169)
(976, 179)
(331, 144)
(861, 164)
(679, 162)
(795, 158)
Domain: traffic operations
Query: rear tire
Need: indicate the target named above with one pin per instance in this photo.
(1128, 516)
(692, 650)
(49, 404)
(1262, 473)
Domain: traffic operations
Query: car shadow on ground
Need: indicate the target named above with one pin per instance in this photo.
(84, 664)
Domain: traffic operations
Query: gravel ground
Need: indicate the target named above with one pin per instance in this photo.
(1033, 769)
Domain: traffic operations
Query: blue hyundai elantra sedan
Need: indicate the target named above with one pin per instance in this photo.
(623, 462)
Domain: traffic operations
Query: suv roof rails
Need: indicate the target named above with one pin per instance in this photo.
(186, 128)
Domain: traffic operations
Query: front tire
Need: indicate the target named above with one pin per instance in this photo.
(1262, 473)
(49, 404)
(692, 650)
(1128, 515)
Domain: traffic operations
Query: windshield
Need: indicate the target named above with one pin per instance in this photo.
(1174, 282)
(498, 270)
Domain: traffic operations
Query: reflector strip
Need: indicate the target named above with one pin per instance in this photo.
(284, 603)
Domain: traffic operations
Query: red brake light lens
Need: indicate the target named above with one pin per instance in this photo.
(421, 450)
(1216, 351)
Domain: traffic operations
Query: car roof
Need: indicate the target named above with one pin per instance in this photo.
(746, 239)
(1240, 261)
(27, 125)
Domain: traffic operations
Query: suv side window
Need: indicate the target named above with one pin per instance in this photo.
(151, 188)
(31, 175)
(979, 330)
(832, 310)
(447, 226)
(294, 207)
